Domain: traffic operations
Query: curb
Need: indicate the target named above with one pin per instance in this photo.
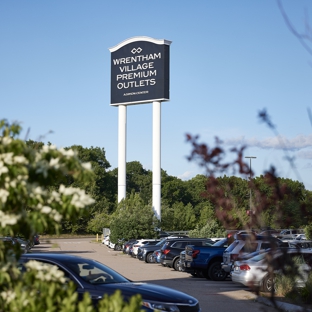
(282, 305)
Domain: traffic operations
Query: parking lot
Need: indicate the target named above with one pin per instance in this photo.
(213, 296)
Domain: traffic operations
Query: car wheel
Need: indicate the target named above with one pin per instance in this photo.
(216, 273)
(195, 274)
(176, 264)
(268, 283)
(149, 258)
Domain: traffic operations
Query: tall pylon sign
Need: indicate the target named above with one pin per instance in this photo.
(140, 75)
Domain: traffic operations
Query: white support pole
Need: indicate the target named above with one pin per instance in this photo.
(122, 131)
(156, 159)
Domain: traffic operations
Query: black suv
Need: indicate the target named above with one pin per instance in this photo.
(170, 251)
(145, 252)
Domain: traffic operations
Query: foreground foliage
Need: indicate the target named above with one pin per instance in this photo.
(30, 202)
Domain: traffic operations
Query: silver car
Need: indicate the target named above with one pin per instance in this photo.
(254, 271)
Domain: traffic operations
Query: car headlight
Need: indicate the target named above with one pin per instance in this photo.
(161, 306)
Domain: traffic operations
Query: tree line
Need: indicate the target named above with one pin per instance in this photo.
(185, 205)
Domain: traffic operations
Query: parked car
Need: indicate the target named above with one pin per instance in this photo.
(156, 256)
(148, 244)
(111, 245)
(284, 244)
(270, 232)
(289, 233)
(206, 260)
(127, 245)
(141, 242)
(145, 252)
(36, 240)
(119, 245)
(24, 244)
(300, 237)
(299, 243)
(181, 261)
(245, 244)
(130, 249)
(16, 244)
(170, 251)
(255, 272)
(105, 240)
(97, 279)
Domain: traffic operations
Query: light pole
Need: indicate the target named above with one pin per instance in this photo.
(250, 212)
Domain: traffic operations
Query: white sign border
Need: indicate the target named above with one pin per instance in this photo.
(139, 38)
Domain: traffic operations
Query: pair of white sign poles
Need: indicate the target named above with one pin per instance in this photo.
(122, 143)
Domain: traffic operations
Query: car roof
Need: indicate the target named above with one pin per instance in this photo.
(51, 256)
(187, 239)
(257, 237)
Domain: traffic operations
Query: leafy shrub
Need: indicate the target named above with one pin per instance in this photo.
(308, 231)
(211, 229)
(284, 285)
(306, 291)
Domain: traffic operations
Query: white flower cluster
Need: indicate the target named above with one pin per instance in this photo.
(67, 153)
(5, 140)
(43, 165)
(10, 159)
(86, 166)
(46, 272)
(8, 219)
(3, 168)
(3, 195)
(8, 296)
(50, 211)
(79, 197)
(48, 148)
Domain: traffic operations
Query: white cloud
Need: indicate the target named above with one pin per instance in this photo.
(277, 142)
(187, 175)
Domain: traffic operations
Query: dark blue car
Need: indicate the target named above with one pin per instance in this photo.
(97, 279)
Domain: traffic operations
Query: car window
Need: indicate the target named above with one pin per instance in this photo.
(200, 243)
(232, 246)
(94, 272)
(258, 257)
(249, 247)
(179, 244)
(265, 245)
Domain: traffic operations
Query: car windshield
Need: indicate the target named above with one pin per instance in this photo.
(161, 242)
(95, 272)
(258, 257)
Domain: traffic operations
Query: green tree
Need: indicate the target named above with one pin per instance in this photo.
(211, 229)
(174, 190)
(100, 188)
(138, 180)
(133, 219)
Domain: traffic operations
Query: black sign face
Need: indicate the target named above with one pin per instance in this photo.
(140, 71)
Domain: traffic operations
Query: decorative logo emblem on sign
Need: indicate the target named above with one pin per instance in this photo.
(134, 50)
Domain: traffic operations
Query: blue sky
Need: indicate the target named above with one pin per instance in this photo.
(228, 60)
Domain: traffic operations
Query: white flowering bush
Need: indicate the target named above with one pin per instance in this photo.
(30, 203)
